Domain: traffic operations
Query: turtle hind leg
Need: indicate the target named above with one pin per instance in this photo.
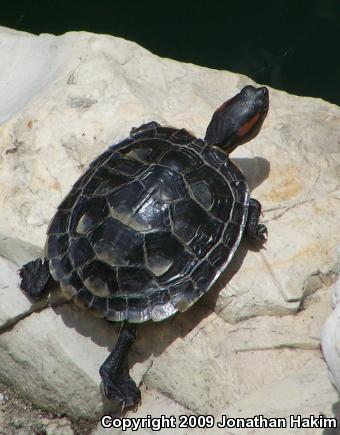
(253, 229)
(118, 385)
(35, 276)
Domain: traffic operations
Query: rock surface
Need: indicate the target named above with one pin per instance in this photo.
(330, 338)
(19, 417)
(156, 405)
(306, 392)
(63, 101)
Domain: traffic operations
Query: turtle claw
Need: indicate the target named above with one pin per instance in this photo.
(260, 236)
(261, 233)
(118, 386)
(133, 407)
(123, 391)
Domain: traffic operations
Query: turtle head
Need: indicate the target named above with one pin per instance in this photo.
(239, 119)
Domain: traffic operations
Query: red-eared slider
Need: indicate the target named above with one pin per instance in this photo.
(151, 225)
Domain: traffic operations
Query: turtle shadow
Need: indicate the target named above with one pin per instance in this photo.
(209, 300)
(153, 338)
(256, 169)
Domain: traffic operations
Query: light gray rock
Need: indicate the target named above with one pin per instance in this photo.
(13, 305)
(63, 101)
(306, 392)
(53, 358)
(330, 339)
(196, 358)
(216, 364)
(48, 140)
(155, 404)
(11, 308)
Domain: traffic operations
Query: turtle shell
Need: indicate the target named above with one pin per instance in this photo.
(149, 227)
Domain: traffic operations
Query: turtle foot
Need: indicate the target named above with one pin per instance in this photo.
(255, 231)
(117, 383)
(122, 390)
(34, 277)
(261, 234)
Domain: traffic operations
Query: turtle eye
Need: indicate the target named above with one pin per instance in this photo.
(248, 90)
(261, 103)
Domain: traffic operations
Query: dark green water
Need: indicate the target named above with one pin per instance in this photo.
(288, 44)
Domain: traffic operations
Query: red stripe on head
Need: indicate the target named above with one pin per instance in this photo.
(247, 126)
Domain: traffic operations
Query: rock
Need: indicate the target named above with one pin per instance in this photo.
(19, 417)
(60, 426)
(13, 305)
(155, 404)
(56, 122)
(216, 364)
(64, 100)
(306, 392)
(60, 352)
(330, 337)
(196, 358)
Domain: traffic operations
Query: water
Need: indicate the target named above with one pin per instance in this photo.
(292, 45)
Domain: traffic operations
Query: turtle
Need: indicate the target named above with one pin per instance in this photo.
(151, 225)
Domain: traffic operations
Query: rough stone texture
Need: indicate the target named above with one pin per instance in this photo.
(215, 363)
(19, 417)
(306, 392)
(54, 356)
(330, 339)
(12, 305)
(156, 405)
(64, 100)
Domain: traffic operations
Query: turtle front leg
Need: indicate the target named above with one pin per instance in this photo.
(253, 229)
(35, 276)
(118, 385)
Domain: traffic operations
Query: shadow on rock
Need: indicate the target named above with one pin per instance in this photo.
(336, 413)
(209, 299)
(255, 169)
(152, 338)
